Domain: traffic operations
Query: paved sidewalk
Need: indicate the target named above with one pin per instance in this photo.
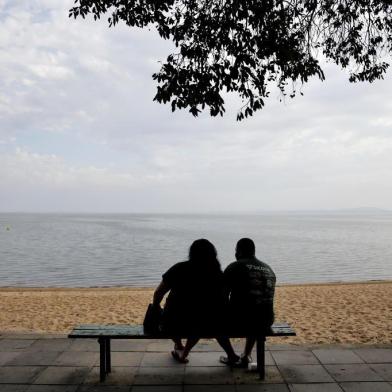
(43, 363)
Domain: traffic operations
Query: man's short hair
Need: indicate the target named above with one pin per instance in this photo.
(246, 247)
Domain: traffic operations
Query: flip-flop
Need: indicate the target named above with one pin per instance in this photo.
(177, 357)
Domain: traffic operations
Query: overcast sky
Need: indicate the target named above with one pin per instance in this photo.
(79, 130)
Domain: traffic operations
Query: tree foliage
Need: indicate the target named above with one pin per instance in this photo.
(246, 46)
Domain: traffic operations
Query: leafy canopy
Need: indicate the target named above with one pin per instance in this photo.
(245, 46)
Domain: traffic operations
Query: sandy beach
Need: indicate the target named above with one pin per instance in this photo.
(324, 313)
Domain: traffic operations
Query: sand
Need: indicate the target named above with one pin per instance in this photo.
(355, 313)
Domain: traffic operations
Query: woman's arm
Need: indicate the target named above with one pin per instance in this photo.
(159, 293)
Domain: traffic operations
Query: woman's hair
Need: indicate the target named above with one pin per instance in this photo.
(204, 254)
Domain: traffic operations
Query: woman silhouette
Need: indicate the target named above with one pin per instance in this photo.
(196, 302)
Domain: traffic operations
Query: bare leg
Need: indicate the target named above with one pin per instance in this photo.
(190, 343)
(178, 344)
(249, 344)
(226, 345)
(178, 352)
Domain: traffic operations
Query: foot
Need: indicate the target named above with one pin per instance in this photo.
(178, 355)
(230, 361)
(244, 361)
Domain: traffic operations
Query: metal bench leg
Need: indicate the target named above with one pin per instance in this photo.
(102, 359)
(260, 349)
(108, 366)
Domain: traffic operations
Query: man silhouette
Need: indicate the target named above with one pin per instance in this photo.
(251, 287)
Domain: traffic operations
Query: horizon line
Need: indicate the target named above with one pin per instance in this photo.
(222, 212)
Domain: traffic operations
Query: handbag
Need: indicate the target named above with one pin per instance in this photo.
(152, 319)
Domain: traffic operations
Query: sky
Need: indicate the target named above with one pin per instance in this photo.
(79, 131)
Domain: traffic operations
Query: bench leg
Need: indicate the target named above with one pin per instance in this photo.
(108, 366)
(260, 350)
(102, 359)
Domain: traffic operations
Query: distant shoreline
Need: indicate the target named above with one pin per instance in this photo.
(143, 288)
(321, 211)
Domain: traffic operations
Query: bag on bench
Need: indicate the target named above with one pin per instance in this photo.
(152, 319)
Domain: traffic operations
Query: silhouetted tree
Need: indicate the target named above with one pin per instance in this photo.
(244, 46)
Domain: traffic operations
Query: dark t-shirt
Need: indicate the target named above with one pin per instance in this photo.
(251, 286)
(196, 298)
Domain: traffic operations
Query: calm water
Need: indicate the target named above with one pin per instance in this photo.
(130, 249)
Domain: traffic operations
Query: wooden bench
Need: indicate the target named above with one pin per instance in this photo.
(104, 333)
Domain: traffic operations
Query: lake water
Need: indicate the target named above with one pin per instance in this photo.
(83, 250)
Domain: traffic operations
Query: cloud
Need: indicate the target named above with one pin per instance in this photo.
(32, 169)
(76, 102)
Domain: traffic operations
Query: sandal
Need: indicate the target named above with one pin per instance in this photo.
(230, 362)
(178, 357)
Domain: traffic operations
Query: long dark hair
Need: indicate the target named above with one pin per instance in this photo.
(204, 255)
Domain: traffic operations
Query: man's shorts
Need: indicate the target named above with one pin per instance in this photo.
(247, 322)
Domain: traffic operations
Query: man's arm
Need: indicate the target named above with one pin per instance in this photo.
(227, 280)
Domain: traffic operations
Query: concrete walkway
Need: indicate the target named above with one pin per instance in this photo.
(45, 363)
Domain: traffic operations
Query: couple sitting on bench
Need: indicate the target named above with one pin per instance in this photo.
(204, 301)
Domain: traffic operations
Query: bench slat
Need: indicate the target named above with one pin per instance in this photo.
(128, 326)
(137, 332)
(106, 328)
